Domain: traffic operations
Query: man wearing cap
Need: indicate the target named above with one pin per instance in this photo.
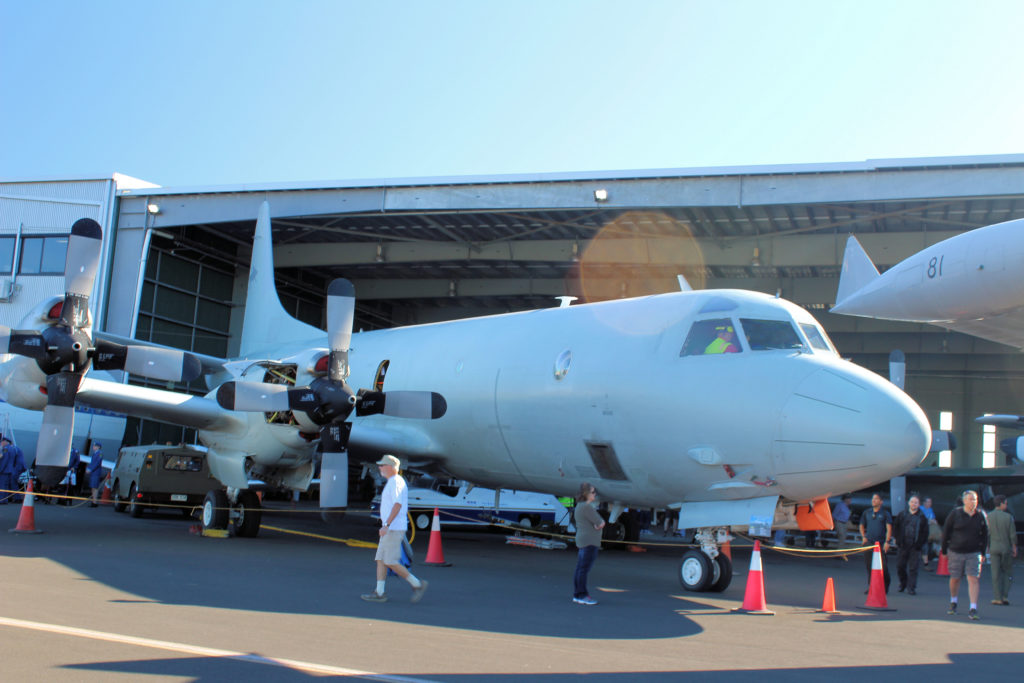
(12, 464)
(723, 342)
(394, 515)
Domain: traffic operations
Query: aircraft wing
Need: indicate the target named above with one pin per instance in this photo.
(210, 364)
(156, 404)
(1007, 328)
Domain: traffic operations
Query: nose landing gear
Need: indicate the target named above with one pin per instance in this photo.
(706, 569)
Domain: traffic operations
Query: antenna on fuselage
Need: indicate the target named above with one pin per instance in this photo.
(684, 286)
(564, 301)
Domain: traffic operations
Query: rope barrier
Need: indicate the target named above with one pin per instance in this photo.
(481, 519)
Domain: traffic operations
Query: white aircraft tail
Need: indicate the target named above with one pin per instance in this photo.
(266, 322)
(858, 271)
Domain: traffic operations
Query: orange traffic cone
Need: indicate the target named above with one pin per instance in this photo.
(753, 600)
(828, 604)
(435, 555)
(27, 519)
(943, 568)
(105, 497)
(876, 590)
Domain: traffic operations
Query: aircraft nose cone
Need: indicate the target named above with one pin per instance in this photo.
(851, 427)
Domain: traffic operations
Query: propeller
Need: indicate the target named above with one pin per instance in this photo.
(64, 352)
(329, 401)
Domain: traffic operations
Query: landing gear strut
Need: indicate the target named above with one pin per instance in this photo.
(706, 569)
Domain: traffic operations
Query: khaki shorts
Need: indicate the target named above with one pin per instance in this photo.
(389, 549)
(964, 564)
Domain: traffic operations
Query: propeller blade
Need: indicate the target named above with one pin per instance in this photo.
(422, 405)
(334, 465)
(53, 449)
(156, 363)
(83, 259)
(334, 437)
(255, 397)
(341, 309)
(22, 342)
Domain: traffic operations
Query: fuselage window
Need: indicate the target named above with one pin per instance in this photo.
(711, 337)
(763, 335)
(816, 337)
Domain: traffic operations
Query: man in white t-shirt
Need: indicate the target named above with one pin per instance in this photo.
(394, 515)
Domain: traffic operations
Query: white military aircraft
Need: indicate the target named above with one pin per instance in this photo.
(969, 283)
(620, 393)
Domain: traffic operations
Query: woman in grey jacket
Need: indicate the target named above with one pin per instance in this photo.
(588, 539)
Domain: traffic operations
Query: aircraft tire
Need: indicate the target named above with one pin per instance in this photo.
(134, 506)
(723, 577)
(215, 510)
(615, 532)
(422, 521)
(247, 514)
(119, 504)
(695, 571)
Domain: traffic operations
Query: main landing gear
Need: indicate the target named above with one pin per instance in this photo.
(706, 569)
(239, 508)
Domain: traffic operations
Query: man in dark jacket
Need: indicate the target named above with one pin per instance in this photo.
(911, 533)
(12, 464)
(964, 539)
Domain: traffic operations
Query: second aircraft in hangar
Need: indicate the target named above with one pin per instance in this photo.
(620, 393)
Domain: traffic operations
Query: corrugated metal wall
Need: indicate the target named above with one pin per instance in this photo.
(47, 207)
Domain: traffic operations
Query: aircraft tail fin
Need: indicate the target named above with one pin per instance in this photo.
(858, 271)
(266, 322)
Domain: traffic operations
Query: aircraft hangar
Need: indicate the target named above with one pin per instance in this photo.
(425, 250)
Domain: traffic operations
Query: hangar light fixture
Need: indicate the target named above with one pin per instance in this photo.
(153, 208)
(601, 195)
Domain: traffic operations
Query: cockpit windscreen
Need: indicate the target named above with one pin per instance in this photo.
(763, 335)
(816, 337)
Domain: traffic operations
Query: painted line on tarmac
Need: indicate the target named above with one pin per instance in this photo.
(308, 667)
(352, 542)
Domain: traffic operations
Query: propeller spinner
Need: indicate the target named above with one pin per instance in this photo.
(329, 401)
(64, 351)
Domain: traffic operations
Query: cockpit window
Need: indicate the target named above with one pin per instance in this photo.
(763, 335)
(710, 337)
(816, 337)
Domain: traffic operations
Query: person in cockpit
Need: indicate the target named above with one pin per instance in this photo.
(722, 343)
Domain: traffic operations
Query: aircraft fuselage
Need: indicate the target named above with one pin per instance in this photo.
(546, 399)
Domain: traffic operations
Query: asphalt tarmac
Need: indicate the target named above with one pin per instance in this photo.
(100, 596)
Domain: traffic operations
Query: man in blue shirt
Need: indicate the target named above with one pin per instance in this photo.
(876, 527)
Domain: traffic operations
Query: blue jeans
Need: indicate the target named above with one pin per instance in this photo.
(585, 560)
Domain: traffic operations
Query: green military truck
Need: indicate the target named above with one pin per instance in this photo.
(165, 477)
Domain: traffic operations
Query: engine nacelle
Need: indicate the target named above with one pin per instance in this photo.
(22, 383)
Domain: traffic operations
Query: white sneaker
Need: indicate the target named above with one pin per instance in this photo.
(586, 600)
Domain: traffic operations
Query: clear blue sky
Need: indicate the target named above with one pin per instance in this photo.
(224, 92)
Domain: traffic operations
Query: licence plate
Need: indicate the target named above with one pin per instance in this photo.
(179, 497)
